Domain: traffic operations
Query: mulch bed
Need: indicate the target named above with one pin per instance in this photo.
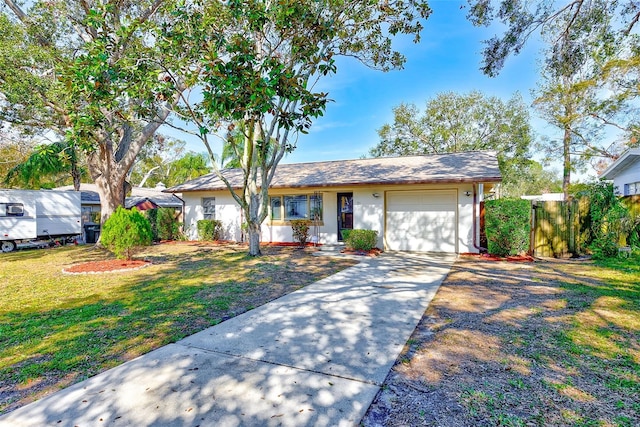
(107, 266)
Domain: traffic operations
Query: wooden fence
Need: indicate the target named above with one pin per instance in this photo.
(558, 228)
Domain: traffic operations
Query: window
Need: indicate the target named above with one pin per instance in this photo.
(301, 206)
(632, 189)
(209, 207)
(11, 209)
(276, 208)
(295, 207)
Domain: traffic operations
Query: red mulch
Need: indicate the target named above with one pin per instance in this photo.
(490, 257)
(106, 266)
(372, 253)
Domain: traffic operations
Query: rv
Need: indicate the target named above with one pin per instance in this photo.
(38, 216)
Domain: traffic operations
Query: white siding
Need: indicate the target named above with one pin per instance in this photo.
(455, 234)
(629, 175)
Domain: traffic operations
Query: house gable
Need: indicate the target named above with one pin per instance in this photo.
(625, 173)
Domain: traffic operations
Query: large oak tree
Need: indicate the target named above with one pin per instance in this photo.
(88, 70)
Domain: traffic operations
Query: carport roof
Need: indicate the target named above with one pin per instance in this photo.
(473, 166)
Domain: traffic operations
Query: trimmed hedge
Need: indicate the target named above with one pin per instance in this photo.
(508, 226)
(126, 232)
(209, 229)
(360, 240)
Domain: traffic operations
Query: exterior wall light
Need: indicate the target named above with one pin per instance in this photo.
(467, 193)
(376, 195)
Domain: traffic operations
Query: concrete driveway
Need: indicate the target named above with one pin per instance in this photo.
(314, 357)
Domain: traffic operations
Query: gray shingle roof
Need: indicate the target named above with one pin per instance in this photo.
(475, 166)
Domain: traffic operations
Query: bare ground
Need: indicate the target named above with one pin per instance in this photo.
(519, 344)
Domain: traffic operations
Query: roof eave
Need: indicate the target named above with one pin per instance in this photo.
(470, 180)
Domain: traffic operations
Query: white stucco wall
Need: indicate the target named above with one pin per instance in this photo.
(369, 213)
(227, 211)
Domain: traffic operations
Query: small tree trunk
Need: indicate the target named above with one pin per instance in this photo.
(254, 239)
(566, 175)
(254, 222)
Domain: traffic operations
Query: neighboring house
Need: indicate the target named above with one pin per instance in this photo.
(417, 203)
(546, 197)
(625, 173)
(143, 198)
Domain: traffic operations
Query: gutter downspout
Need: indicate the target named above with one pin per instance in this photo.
(475, 221)
(184, 215)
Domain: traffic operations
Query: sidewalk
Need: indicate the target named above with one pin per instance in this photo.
(316, 357)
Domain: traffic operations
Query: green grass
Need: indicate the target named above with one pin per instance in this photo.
(583, 353)
(56, 329)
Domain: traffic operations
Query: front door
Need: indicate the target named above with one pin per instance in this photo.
(345, 213)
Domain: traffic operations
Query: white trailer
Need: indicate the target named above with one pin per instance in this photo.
(38, 215)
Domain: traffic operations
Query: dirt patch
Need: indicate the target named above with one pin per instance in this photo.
(502, 344)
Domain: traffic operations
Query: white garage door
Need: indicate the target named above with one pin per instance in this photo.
(423, 221)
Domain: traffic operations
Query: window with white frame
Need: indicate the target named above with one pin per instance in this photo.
(632, 189)
(300, 206)
(209, 207)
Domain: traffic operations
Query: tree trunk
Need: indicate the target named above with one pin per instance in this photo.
(254, 223)
(109, 177)
(254, 239)
(566, 174)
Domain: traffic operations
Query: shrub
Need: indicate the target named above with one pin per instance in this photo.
(152, 216)
(300, 229)
(209, 229)
(168, 226)
(508, 226)
(361, 240)
(609, 221)
(345, 233)
(126, 232)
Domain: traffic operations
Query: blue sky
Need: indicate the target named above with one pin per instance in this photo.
(448, 58)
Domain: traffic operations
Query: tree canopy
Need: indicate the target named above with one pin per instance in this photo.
(453, 122)
(257, 63)
(88, 70)
(589, 70)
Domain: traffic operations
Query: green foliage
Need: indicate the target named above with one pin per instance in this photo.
(168, 224)
(345, 233)
(300, 229)
(361, 240)
(608, 222)
(164, 224)
(508, 226)
(454, 122)
(152, 216)
(48, 164)
(126, 232)
(209, 229)
(589, 71)
(89, 71)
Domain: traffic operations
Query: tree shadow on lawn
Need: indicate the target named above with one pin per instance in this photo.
(124, 315)
(521, 344)
(296, 357)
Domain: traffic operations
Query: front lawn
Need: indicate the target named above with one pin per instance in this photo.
(551, 343)
(57, 329)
